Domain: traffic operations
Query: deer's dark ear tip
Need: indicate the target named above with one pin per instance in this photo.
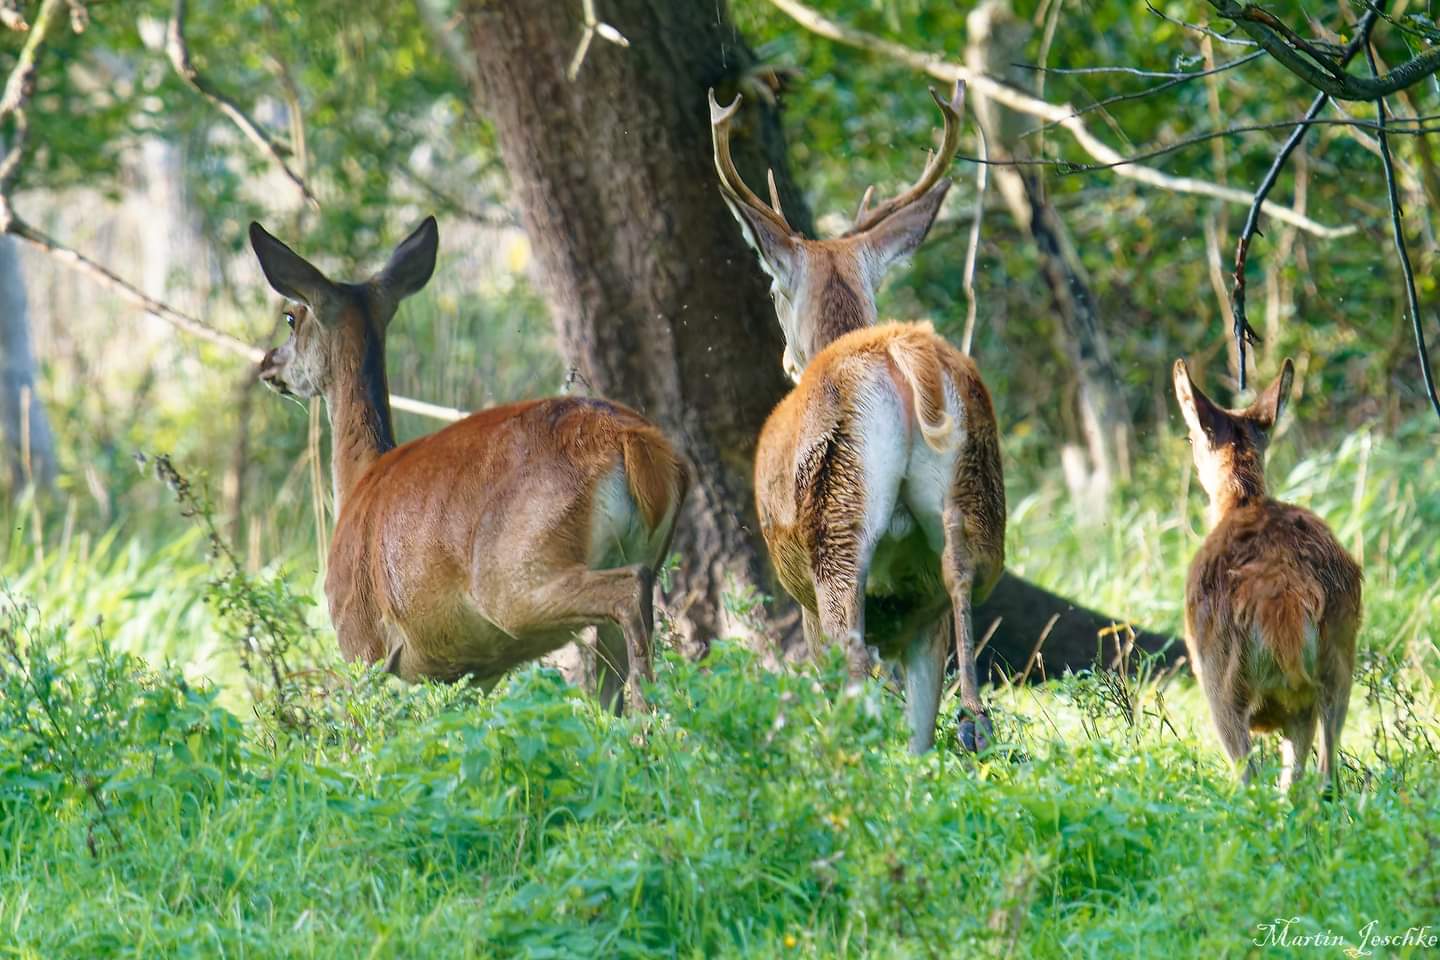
(258, 234)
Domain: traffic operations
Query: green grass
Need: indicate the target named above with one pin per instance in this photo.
(145, 811)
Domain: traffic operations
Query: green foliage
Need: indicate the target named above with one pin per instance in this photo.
(146, 810)
(753, 813)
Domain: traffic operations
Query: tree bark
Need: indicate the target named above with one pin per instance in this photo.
(657, 300)
(28, 445)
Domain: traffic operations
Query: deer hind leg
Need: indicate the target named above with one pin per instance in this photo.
(1334, 703)
(958, 568)
(1295, 747)
(612, 665)
(924, 661)
(841, 599)
(621, 597)
(1232, 723)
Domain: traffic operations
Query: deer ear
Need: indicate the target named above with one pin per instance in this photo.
(412, 264)
(900, 233)
(779, 252)
(1266, 409)
(1200, 412)
(290, 274)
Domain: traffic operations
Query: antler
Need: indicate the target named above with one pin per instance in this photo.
(935, 165)
(731, 185)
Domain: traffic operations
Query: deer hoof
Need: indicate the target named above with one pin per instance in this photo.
(975, 734)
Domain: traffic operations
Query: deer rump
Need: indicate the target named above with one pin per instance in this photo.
(856, 466)
(562, 483)
(1260, 621)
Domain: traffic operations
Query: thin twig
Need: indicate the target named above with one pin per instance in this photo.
(1243, 332)
(179, 53)
(972, 251)
(1137, 72)
(1395, 222)
(937, 66)
(1200, 28)
(181, 321)
(1077, 166)
(593, 27)
(1179, 78)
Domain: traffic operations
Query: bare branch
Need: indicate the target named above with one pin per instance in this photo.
(19, 88)
(1061, 115)
(1137, 72)
(1200, 28)
(1397, 228)
(181, 321)
(179, 53)
(1314, 65)
(593, 27)
(1178, 79)
(1244, 333)
(1417, 127)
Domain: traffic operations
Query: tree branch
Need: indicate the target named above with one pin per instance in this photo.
(1244, 333)
(1312, 65)
(179, 53)
(1061, 115)
(19, 88)
(1395, 217)
(180, 321)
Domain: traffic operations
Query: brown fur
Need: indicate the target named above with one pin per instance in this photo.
(1273, 601)
(876, 537)
(481, 512)
(490, 542)
(811, 486)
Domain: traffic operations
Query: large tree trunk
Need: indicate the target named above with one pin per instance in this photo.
(656, 298)
(27, 448)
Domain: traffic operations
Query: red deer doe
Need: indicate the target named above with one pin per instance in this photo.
(877, 479)
(485, 544)
(1272, 603)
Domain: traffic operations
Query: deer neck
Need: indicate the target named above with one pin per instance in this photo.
(841, 304)
(1242, 484)
(358, 402)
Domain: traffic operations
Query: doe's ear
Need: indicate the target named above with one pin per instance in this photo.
(900, 233)
(1200, 412)
(290, 274)
(412, 264)
(1266, 409)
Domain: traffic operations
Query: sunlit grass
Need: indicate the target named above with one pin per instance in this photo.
(145, 811)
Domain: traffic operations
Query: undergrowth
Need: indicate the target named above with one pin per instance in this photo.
(306, 807)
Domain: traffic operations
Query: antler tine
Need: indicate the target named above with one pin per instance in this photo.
(865, 203)
(774, 193)
(731, 183)
(935, 165)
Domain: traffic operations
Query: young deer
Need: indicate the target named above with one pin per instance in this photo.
(1272, 603)
(485, 544)
(878, 477)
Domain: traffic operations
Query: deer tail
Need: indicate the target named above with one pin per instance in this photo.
(917, 362)
(655, 475)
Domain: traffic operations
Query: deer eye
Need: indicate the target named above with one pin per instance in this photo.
(290, 319)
